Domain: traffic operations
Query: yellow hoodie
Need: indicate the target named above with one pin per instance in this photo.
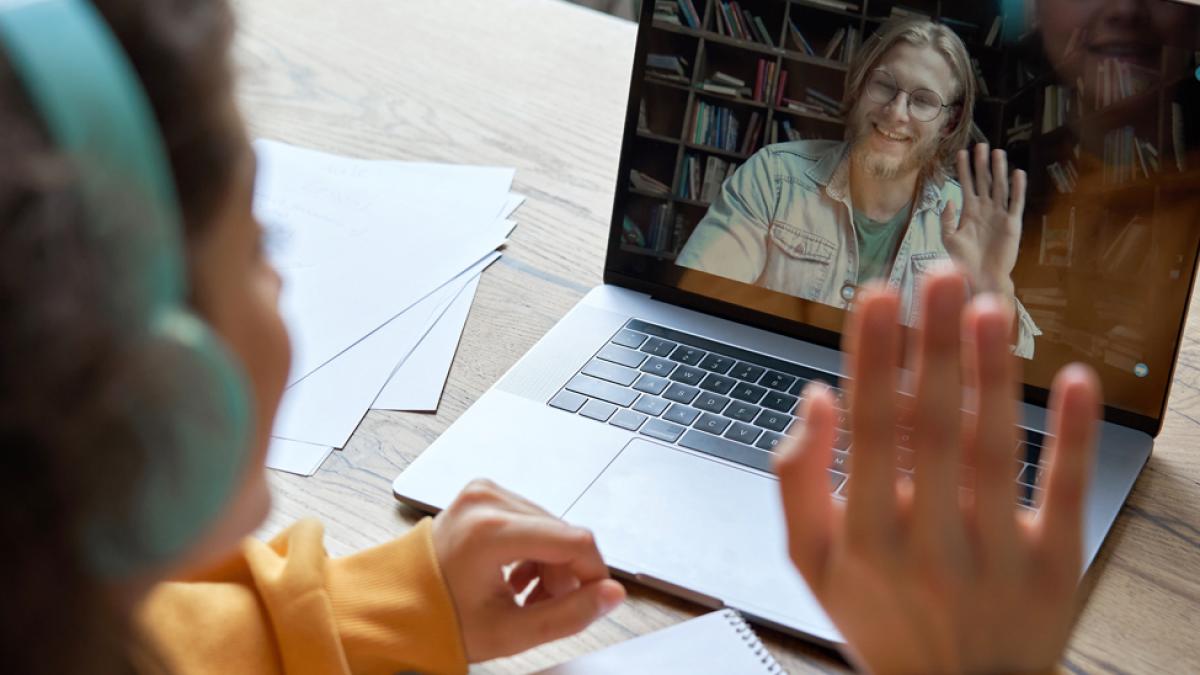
(286, 607)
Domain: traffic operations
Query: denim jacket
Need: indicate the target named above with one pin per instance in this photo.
(783, 221)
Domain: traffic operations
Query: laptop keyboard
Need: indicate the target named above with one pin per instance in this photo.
(727, 402)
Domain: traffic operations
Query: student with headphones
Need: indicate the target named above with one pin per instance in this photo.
(143, 359)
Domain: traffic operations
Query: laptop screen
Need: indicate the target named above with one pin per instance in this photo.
(778, 155)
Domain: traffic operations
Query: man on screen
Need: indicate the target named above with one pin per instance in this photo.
(816, 219)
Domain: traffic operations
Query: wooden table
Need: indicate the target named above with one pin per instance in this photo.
(541, 85)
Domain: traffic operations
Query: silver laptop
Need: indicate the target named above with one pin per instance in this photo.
(650, 412)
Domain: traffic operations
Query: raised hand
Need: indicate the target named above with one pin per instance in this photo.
(984, 241)
(919, 576)
(488, 530)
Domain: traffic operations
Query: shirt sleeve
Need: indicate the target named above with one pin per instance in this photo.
(1026, 331)
(284, 607)
(731, 239)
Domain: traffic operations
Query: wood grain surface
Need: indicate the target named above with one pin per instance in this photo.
(541, 85)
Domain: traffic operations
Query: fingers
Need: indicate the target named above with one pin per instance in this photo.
(871, 501)
(555, 618)
(550, 542)
(1016, 204)
(804, 485)
(992, 375)
(962, 165)
(1074, 408)
(938, 409)
(949, 220)
(983, 174)
(1000, 178)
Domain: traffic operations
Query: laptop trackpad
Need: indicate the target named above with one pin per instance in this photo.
(702, 525)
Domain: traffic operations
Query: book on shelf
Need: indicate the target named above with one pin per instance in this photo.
(835, 4)
(667, 64)
(1064, 175)
(643, 118)
(647, 183)
(780, 88)
(1127, 157)
(764, 80)
(1118, 80)
(829, 105)
(802, 44)
(979, 78)
(1057, 104)
(715, 170)
(1128, 253)
(723, 89)
(1019, 130)
(909, 12)
(834, 43)
(715, 126)
(995, 33)
(667, 11)
(1057, 242)
(736, 22)
(752, 135)
(763, 33)
(689, 13)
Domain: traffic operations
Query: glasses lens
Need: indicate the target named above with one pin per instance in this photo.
(924, 105)
(881, 88)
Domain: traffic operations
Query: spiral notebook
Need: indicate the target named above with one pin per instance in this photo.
(719, 643)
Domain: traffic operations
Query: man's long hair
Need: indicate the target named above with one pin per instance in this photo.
(921, 32)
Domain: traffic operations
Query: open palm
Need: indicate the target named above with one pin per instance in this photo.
(984, 241)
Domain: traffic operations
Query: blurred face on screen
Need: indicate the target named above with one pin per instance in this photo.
(1079, 35)
(901, 135)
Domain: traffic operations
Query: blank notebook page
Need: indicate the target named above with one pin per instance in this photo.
(719, 643)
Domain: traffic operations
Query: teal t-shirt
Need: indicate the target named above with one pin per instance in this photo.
(877, 243)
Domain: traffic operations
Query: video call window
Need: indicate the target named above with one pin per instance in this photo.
(746, 132)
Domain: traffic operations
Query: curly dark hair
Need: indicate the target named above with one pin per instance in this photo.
(66, 457)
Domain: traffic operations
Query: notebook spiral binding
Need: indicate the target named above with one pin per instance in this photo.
(748, 636)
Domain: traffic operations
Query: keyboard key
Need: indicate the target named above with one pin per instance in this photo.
(621, 355)
(681, 414)
(605, 391)
(688, 355)
(840, 461)
(658, 366)
(798, 386)
(629, 338)
(658, 346)
(598, 410)
(769, 440)
(717, 363)
(611, 372)
(681, 393)
(1031, 476)
(717, 383)
(726, 449)
(835, 480)
(651, 405)
(713, 424)
(776, 400)
(777, 380)
(688, 375)
(568, 400)
(713, 403)
(1029, 498)
(906, 460)
(627, 419)
(772, 420)
(663, 431)
(747, 392)
(651, 384)
(742, 411)
(743, 433)
(841, 440)
(746, 372)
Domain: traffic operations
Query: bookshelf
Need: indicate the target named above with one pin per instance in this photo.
(799, 95)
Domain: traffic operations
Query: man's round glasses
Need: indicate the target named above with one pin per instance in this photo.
(923, 104)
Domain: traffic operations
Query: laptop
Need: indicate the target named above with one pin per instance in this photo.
(650, 412)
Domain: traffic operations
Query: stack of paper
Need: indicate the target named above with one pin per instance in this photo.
(380, 261)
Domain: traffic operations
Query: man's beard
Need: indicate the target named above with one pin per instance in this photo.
(918, 157)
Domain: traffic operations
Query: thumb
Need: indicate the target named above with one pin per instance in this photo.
(949, 220)
(560, 617)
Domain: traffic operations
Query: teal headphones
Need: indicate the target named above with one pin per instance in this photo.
(90, 100)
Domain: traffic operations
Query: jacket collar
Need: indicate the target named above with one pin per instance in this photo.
(832, 170)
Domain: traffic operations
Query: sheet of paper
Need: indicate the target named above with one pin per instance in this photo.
(418, 383)
(359, 242)
(296, 457)
(325, 407)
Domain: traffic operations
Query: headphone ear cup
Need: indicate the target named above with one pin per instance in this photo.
(186, 407)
